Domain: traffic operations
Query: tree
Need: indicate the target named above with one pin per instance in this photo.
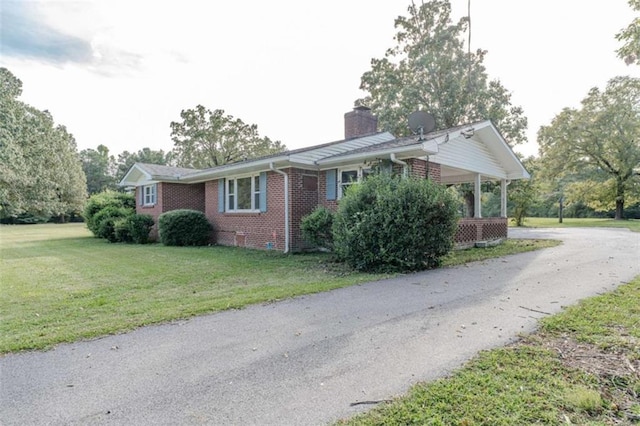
(208, 138)
(40, 172)
(630, 36)
(99, 167)
(600, 141)
(146, 155)
(429, 69)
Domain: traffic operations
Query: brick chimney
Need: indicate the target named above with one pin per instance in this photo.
(359, 122)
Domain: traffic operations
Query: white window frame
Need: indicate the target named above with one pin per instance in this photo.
(361, 170)
(254, 194)
(149, 197)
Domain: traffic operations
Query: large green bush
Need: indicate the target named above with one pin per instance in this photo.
(134, 228)
(105, 222)
(394, 224)
(184, 228)
(317, 228)
(102, 200)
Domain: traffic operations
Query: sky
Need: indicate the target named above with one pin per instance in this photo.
(118, 72)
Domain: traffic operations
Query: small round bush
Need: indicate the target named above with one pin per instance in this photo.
(105, 199)
(140, 227)
(184, 228)
(105, 221)
(122, 230)
(316, 228)
(390, 223)
(134, 228)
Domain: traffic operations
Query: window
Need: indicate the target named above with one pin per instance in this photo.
(348, 177)
(149, 195)
(243, 194)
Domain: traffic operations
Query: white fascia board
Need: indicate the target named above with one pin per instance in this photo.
(235, 169)
(405, 152)
(127, 181)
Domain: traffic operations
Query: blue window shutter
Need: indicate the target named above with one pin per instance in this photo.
(263, 192)
(141, 191)
(331, 184)
(220, 195)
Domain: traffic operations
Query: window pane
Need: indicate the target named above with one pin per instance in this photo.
(231, 202)
(244, 193)
(232, 184)
(256, 201)
(349, 176)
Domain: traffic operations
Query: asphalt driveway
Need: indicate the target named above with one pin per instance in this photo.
(306, 360)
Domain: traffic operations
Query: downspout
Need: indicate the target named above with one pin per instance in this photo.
(286, 206)
(405, 168)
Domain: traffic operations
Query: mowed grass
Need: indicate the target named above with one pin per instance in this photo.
(59, 284)
(551, 222)
(580, 368)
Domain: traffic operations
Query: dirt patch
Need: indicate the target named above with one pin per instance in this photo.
(618, 373)
(592, 359)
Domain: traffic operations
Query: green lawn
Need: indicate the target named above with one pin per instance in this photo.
(58, 284)
(579, 369)
(550, 222)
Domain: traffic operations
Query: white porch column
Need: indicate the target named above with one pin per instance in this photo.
(503, 197)
(477, 197)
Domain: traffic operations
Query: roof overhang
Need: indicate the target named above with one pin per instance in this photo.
(419, 149)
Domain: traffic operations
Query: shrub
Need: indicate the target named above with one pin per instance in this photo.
(184, 228)
(102, 200)
(392, 224)
(105, 220)
(316, 228)
(134, 228)
(140, 227)
(122, 230)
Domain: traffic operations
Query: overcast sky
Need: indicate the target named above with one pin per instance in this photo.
(117, 72)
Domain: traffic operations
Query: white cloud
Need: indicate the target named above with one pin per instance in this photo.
(293, 68)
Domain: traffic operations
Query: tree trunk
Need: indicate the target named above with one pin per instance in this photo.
(619, 200)
(469, 201)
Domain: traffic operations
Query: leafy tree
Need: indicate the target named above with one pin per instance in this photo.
(206, 138)
(429, 69)
(146, 155)
(99, 167)
(600, 142)
(40, 172)
(630, 36)
(523, 193)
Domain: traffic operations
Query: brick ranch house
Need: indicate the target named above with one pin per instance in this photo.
(259, 203)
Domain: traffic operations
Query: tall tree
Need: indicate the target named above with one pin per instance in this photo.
(206, 138)
(99, 167)
(430, 69)
(630, 37)
(40, 172)
(127, 159)
(601, 141)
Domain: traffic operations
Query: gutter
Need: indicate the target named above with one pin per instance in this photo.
(405, 168)
(286, 206)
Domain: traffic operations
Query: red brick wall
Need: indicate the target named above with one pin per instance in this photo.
(420, 168)
(172, 196)
(304, 200)
(254, 230)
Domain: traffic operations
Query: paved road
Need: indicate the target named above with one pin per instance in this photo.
(304, 361)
